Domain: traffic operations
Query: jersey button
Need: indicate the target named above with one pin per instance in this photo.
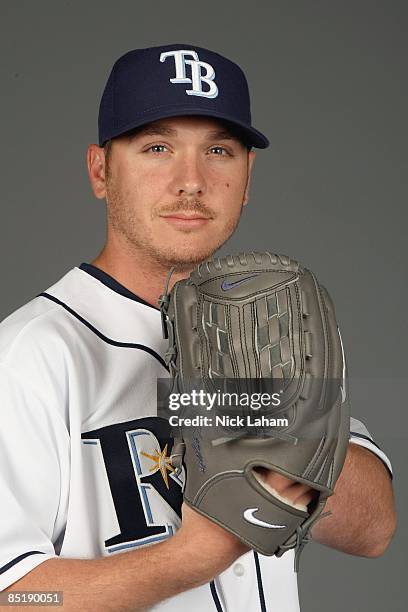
(238, 569)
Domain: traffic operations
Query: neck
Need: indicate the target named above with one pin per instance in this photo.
(137, 273)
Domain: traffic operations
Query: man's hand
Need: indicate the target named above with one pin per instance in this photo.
(288, 490)
(218, 547)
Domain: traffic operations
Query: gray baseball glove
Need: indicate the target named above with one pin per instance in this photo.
(258, 321)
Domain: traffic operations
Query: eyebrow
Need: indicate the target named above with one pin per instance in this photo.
(221, 135)
(155, 130)
(164, 130)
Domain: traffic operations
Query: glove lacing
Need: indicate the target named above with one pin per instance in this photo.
(241, 434)
(302, 536)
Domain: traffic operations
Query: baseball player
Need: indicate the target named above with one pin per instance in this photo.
(90, 503)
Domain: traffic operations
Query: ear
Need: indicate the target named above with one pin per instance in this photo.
(95, 159)
(251, 159)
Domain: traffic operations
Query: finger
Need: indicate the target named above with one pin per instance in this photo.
(295, 493)
(300, 494)
(275, 480)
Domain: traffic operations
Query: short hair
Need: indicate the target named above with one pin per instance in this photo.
(107, 147)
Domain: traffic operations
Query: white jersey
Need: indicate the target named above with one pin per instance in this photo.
(80, 443)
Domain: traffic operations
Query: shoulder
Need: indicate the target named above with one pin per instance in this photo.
(76, 318)
(32, 325)
(34, 343)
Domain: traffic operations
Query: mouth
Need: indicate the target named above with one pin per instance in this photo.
(185, 220)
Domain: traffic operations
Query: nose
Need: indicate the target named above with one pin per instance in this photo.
(188, 179)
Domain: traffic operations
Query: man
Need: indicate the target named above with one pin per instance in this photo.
(86, 484)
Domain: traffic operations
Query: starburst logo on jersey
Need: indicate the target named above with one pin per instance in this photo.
(161, 462)
(197, 77)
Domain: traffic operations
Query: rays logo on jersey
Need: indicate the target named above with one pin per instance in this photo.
(195, 68)
(135, 473)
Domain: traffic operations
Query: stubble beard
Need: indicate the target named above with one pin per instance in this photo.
(141, 242)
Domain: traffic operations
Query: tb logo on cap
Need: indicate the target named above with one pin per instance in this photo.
(197, 78)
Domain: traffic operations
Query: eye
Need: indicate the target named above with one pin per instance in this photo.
(218, 150)
(157, 148)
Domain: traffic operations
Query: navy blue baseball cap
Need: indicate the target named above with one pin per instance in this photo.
(173, 80)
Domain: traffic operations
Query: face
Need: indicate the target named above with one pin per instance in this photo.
(175, 189)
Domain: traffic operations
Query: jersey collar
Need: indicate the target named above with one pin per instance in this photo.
(113, 284)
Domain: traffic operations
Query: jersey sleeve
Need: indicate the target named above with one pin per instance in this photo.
(359, 434)
(32, 441)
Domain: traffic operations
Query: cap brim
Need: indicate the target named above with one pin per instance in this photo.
(249, 135)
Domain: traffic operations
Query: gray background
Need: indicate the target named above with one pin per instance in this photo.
(329, 87)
